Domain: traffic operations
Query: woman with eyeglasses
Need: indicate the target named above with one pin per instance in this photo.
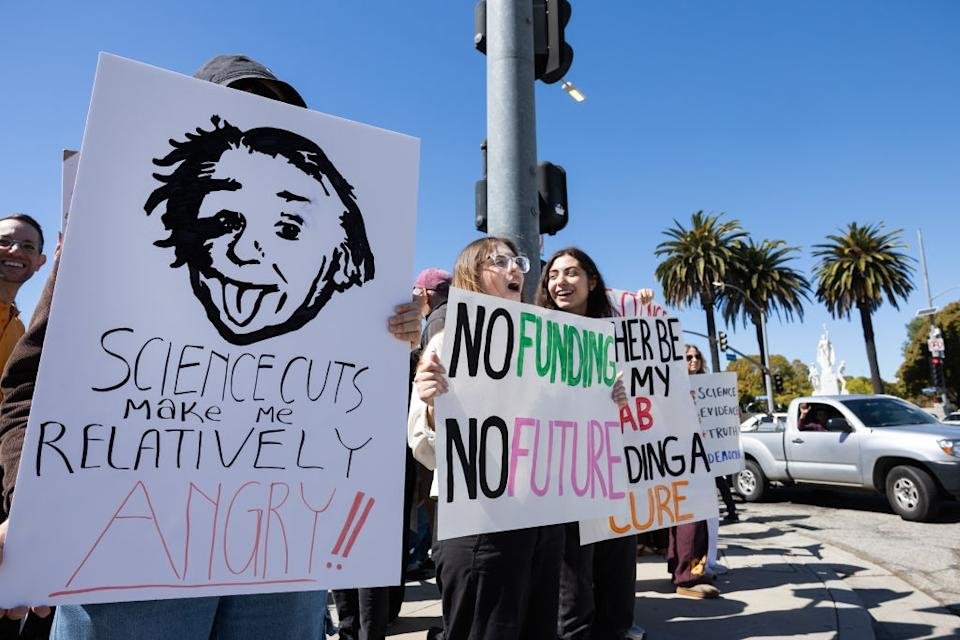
(597, 581)
(687, 559)
(493, 586)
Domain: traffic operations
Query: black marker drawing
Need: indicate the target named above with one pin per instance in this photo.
(246, 210)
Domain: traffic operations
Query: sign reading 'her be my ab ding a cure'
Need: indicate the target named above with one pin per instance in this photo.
(217, 406)
(528, 434)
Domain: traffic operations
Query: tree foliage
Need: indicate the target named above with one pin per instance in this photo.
(914, 372)
(795, 374)
(858, 269)
(693, 259)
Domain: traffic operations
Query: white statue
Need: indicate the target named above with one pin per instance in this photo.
(814, 377)
(841, 378)
(826, 381)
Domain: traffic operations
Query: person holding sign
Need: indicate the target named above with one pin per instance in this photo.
(687, 550)
(285, 616)
(597, 581)
(496, 586)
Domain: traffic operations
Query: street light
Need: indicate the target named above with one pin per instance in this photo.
(767, 378)
(573, 92)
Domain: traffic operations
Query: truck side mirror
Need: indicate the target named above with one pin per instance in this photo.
(838, 424)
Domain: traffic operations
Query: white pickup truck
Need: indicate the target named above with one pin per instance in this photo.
(878, 442)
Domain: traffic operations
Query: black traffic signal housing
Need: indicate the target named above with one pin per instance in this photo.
(936, 366)
(778, 383)
(552, 56)
(551, 192)
(722, 340)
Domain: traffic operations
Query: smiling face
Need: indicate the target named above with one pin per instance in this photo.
(20, 255)
(280, 230)
(569, 285)
(498, 281)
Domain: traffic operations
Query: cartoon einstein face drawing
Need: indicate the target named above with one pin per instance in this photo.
(268, 228)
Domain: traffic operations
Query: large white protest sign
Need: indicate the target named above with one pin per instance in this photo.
(528, 433)
(219, 406)
(718, 408)
(68, 177)
(668, 474)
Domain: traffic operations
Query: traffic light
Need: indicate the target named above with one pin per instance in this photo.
(552, 66)
(722, 341)
(778, 383)
(552, 56)
(551, 192)
(936, 365)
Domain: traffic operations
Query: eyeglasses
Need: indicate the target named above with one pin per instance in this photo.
(25, 245)
(503, 262)
(693, 357)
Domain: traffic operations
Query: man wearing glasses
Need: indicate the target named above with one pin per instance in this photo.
(433, 286)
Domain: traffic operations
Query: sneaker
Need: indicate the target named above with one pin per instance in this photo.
(699, 591)
(636, 632)
(730, 518)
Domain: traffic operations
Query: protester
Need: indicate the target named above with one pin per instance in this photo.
(688, 548)
(597, 581)
(273, 615)
(433, 285)
(503, 585)
(21, 255)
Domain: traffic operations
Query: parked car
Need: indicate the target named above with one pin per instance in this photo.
(952, 418)
(878, 442)
(762, 420)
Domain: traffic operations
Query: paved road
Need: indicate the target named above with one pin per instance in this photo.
(926, 556)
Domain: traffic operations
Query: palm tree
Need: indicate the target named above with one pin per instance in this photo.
(857, 269)
(760, 270)
(695, 258)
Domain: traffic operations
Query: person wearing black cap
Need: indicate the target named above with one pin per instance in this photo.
(283, 616)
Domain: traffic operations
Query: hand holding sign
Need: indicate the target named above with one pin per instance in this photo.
(431, 378)
(18, 612)
(404, 324)
(619, 393)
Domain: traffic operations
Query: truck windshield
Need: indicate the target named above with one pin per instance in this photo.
(887, 412)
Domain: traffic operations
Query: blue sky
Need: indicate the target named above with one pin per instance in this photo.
(793, 118)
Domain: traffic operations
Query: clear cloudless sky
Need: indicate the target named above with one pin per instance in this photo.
(795, 118)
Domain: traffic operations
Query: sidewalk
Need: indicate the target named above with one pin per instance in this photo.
(780, 584)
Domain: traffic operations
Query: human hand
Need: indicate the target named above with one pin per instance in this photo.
(431, 378)
(17, 612)
(404, 324)
(645, 296)
(619, 393)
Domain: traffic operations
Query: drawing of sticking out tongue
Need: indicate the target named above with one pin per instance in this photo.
(242, 302)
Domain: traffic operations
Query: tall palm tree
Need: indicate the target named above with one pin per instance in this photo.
(694, 259)
(858, 269)
(761, 271)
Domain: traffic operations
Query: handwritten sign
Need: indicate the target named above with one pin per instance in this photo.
(219, 408)
(668, 472)
(718, 408)
(528, 434)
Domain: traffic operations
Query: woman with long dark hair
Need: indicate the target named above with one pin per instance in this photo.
(597, 581)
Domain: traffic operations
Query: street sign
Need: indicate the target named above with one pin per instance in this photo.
(935, 345)
(731, 356)
(928, 311)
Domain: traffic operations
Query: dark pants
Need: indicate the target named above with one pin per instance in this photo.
(363, 613)
(724, 486)
(687, 554)
(597, 587)
(35, 628)
(501, 586)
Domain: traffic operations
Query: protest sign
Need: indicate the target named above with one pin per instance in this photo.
(219, 407)
(668, 474)
(68, 177)
(718, 407)
(528, 433)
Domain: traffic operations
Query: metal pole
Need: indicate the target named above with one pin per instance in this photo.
(512, 202)
(767, 376)
(933, 318)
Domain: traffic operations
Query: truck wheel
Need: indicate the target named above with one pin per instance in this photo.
(751, 483)
(912, 493)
